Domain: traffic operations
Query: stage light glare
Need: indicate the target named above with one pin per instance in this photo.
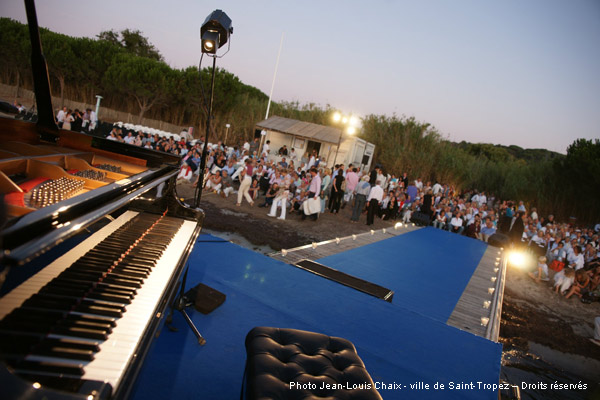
(210, 42)
(353, 121)
(517, 259)
(283, 252)
(337, 117)
(344, 120)
(398, 225)
(351, 130)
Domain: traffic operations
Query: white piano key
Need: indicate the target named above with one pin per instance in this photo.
(139, 314)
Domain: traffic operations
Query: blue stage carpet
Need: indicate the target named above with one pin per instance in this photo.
(428, 269)
(397, 345)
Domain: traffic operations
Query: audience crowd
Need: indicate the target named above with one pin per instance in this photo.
(287, 185)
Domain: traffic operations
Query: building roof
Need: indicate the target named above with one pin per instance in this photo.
(308, 130)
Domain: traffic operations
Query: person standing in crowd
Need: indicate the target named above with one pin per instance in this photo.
(361, 191)
(314, 190)
(60, 117)
(351, 182)
(375, 197)
(244, 189)
(337, 192)
(517, 228)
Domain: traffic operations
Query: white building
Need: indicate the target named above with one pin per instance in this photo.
(305, 137)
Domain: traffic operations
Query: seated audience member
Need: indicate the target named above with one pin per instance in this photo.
(576, 260)
(391, 211)
(581, 284)
(254, 188)
(280, 200)
(214, 182)
(488, 229)
(270, 195)
(408, 213)
(542, 271)
(439, 221)
(226, 184)
(563, 280)
(474, 230)
(456, 223)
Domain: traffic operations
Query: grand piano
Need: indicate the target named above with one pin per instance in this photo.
(90, 261)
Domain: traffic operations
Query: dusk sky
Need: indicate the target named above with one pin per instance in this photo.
(502, 72)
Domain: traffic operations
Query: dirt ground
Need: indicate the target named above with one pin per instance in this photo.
(531, 312)
(252, 222)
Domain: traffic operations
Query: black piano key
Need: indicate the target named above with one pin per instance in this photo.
(27, 312)
(80, 332)
(114, 298)
(14, 347)
(97, 309)
(30, 367)
(47, 325)
(122, 282)
(67, 352)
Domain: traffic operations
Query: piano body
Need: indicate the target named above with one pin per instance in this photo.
(90, 262)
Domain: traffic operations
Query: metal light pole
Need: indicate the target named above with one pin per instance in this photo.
(98, 98)
(349, 123)
(227, 126)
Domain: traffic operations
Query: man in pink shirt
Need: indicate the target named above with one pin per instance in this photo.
(352, 179)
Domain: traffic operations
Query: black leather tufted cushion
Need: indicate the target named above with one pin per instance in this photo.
(295, 364)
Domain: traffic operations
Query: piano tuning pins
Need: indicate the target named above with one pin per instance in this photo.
(54, 191)
(91, 174)
(108, 167)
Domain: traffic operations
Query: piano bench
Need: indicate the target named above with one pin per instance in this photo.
(295, 364)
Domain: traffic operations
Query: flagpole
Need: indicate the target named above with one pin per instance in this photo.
(274, 76)
(271, 93)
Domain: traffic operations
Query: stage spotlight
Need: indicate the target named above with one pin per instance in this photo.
(210, 42)
(517, 259)
(215, 31)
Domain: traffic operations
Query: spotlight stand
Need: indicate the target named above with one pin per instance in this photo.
(204, 149)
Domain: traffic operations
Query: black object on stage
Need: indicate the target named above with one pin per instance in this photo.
(347, 280)
(204, 298)
(419, 218)
(499, 240)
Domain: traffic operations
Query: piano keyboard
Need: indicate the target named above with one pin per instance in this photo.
(82, 317)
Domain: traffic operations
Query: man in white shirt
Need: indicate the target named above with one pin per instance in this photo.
(293, 155)
(60, 117)
(314, 190)
(419, 184)
(456, 224)
(375, 197)
(266, 149)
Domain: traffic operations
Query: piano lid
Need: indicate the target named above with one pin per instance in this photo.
(32, 234)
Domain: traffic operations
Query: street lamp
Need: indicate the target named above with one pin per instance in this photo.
(214, 33)
(349, 124)
(227, 126)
